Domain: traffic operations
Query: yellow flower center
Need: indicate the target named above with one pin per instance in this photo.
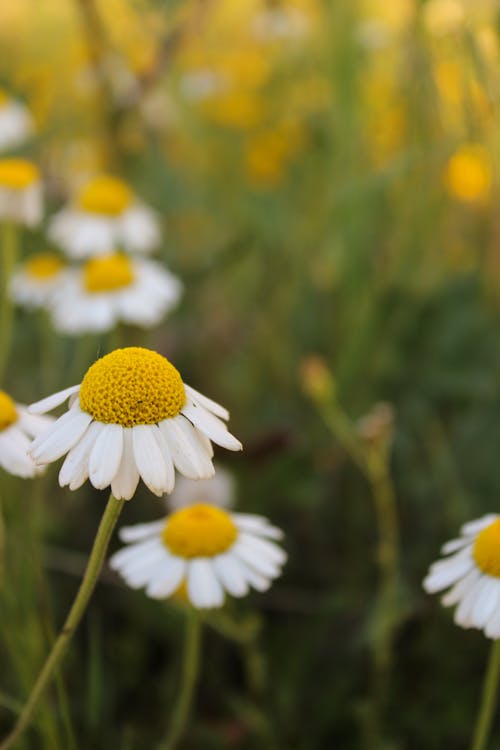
(105, 195)
(108, 273)
(17, 174)
(199, 531)
(44, 266)
(132, 386)
(4, 98)
(486, 550)
(469, 173)
(8, 411)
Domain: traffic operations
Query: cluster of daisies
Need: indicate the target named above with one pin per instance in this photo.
(132, 417)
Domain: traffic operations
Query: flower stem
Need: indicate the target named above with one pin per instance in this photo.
(190, 669)
(87, 586)
(9, 250)
(485, 716)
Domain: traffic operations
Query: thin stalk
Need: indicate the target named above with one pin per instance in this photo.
(487, 708)
(9, 252)
(94, 565)
(190, 671)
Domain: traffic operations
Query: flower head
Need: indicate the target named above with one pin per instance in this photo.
(471, 572)
(114, 288)
(105, 214)
(132, 416)
(468, 174)
(20, 192)
(205, 549)
(16, 124)
(34, 282)
(17, 428)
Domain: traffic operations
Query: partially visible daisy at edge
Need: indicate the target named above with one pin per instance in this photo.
(471, 575)
(132, 417)
(103, 215)
(20, 192)
(218, 490)
(34, 282)
(16, 123)
(111, 289)
(17, 428)
(203, 550)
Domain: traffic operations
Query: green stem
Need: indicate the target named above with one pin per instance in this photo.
(9, 251)
(87, 586)
(486, 711)
(190, 669)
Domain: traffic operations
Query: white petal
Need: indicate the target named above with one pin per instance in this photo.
(446, 572)
(188, 454)
(33, 424)
(492, 629)
(211, 426)
(141, 531)
(75, 469)
(50, 402)
(454, 545)
(167, 458)
(106, 455)
(464, 610)
(61, 437)
(126, 479)
(128, 557)
(231, 574)
(487, 601)
(258, 581)
(474, 527)
(210, 405)
(459, 590)
(263, 548)
(148, 458)
(204, 589)
(14, 457)
(256, 525)
(262, 565)
(167, 578)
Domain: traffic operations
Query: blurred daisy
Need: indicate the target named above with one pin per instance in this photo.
(471, 572)
(34, 282)
(219, 490)
(20, 192)
(105, 214)
(16, 124)
(205, 549)
(131, 417)
(17, 428)
(114, 288)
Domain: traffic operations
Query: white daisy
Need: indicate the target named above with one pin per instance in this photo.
(105, 214)
(16, 124)
(111, 289)
(34, 282)
(131, 417)
(204, 549)
(20, 192)
(17, 428)
(471, 572)
(219, 490)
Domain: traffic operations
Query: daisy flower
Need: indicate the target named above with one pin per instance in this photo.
(16, 124)
(17, 428)
(471, 573)
(114, 288)
(34, 282)
(204, 549)
(132, 417)
(219, 490)
(20, 192)
(105, 214)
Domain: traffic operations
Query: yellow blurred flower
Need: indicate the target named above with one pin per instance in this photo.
(268, 152)
(468, 174)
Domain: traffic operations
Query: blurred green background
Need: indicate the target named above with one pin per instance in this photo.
(326, 173)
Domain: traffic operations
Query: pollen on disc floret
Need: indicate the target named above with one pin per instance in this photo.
(486, 550)
(8, 411)
(132, 386)
(199, 531)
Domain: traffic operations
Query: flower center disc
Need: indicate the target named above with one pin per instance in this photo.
(105, 195)
(8, 411)
(132, 386)
(44, 266)
(199, 531)
(17, 174)
(108, 273)
(486, 550)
